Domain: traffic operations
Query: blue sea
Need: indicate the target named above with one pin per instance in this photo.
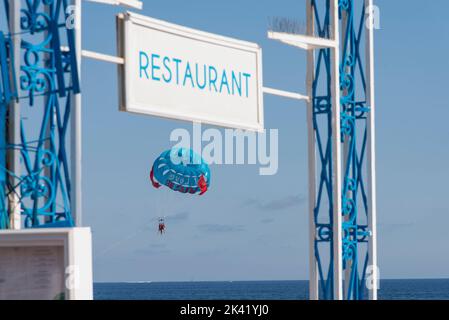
(258, 290)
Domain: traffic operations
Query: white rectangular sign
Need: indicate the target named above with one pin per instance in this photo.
(46, 264)
(180, 73)
(32, 273)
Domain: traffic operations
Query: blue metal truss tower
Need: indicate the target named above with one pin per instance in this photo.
(343, 259)
(43, 76)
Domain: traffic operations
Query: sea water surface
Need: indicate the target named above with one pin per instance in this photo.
(258, 290)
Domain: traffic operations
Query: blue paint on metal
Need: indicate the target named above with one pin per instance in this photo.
(354, 112)
(4, 221)
(46, 71)
(354, 131)
(322, 123)
(8, 92)
(6, 3)
(8, 87)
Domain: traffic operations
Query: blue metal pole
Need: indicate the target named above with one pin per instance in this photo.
(354, 114)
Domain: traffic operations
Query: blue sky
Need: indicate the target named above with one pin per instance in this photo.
(251, 227)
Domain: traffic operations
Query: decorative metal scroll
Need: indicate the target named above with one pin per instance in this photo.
(354, 110)
(47, 78)
(354, 132)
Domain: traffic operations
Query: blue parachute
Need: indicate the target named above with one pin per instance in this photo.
(181, 170)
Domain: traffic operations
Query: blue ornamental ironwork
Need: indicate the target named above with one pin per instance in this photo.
(8, 92)
(322, 123)
(48, 77)
(354, 131)
(354, 110)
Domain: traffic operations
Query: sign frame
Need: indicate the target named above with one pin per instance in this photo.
(124, 22)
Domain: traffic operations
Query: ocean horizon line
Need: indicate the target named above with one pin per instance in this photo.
(241, 281)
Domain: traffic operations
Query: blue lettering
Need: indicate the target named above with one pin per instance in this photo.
(154, 66)
(212, 80)
(224, 81)
(167, 68)
(164, 68)
(188, 74)
(201, 86)
(236, 84)
(177, 62)
(143, 67)
(247, 76)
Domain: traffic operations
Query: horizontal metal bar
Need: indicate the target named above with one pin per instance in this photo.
(98, 56)
(127, 3)
(302, 41)
(285, 94)
(102, 57)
